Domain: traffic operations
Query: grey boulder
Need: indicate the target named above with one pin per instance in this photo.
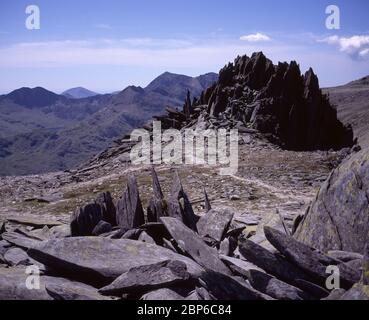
(214, 224)
(312, 262)
(101, 228)
(190, 243)
(338, 218)
(146, 278)
(275, 287)
(99, 261)
(15, 285)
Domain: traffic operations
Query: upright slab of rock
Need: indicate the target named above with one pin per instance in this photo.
(105, 200)
(338, 218)
(158, 207)
(2, 227)
(130, 213)
(85, 219)
(179, 206)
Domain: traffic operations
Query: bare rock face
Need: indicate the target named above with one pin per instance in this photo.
(338, 218)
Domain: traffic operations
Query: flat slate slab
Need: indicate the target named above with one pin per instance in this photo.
(249, 220)
(34, 221)
(191, 243)
(239, 266)
(275, 288)
(214, 224)
(16, 256)
(13, 287)
(99, 261)
(145, 278)
(64, 289)
(19, 240)
(225, 287)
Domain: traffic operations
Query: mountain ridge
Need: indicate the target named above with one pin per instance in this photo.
(70, 131)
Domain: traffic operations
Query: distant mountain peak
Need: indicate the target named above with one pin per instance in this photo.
(79, 93)
(37, 97)
(168, 82)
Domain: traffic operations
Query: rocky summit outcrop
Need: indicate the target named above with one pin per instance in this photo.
(338, 218)
(253, 94)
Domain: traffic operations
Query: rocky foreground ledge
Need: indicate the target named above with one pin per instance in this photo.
(118, 250)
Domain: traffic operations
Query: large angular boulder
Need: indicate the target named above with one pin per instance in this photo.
(16, 256)
(338, 218)
(147, 278)
(99, 261)
(275, 288)
(32, 221)
(225, 287)
(19, 240)
(214, 224)
(272, 263)
(14, 286)
(312, 262)
(85, 219)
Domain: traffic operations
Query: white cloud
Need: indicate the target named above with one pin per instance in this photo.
(186, 56)
(143, 52)
(357, 45)
(364, 53)
(257, 37)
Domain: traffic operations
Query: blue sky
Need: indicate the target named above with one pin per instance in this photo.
(107, 45)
